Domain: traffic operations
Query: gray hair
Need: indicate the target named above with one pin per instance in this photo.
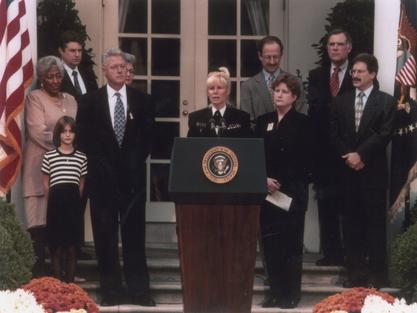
(130, 58)
(112, 52)
(44, 65)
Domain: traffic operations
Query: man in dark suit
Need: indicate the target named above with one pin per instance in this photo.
(77, 79)
(115, 131)
(325, 83)
(362, 124)
(256, 94)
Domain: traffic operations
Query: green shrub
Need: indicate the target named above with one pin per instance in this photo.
(404, 262)
(16, 251)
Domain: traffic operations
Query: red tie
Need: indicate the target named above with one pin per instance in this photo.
(334, 82)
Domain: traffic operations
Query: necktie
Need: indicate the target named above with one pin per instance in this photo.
(334, 82)
(76, 83)
(119, 119)
(358, 110)
(271, 79)
(217, 118)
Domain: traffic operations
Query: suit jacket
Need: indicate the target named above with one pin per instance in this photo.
(111, 168)
(89, 80)
(288, 146)
(236, 124)
(255, 97)
(370, 142)
(319, 103)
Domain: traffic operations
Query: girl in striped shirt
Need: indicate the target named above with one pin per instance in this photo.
(64, 170)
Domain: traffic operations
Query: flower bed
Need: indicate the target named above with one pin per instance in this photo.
(351, 300)
(56, 296)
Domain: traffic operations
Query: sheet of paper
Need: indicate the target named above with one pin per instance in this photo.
(280, 199)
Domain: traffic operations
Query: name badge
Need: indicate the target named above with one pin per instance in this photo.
(270, 127)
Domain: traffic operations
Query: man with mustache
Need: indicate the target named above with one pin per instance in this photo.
(324, 84)
(362, 124)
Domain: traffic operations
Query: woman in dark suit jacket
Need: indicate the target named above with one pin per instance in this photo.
(288, 147)
(219, 119)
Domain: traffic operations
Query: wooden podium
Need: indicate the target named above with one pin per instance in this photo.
(217, 223)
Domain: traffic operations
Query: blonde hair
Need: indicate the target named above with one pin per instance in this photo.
(221, 76)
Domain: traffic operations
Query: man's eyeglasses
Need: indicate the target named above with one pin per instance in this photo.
(270, 57)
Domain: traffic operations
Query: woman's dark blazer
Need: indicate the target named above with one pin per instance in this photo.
(288, 153)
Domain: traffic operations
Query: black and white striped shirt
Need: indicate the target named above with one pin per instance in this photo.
(64, 168)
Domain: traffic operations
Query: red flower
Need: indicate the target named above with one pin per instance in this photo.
(55, 295)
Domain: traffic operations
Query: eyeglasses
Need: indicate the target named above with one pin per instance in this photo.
(270, 57)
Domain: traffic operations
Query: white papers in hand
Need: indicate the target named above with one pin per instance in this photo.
(279, 199)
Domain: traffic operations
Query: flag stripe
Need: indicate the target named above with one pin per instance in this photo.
(16, 72)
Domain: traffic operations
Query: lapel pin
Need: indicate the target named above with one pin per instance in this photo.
(131, 115)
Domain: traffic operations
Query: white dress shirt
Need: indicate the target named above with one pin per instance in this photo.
(79, 77)
(343, 68)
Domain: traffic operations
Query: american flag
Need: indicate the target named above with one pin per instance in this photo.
(406, 62)
(407, 74)
(16, 70)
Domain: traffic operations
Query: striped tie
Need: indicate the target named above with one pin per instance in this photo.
(358, 110)
(119, 119)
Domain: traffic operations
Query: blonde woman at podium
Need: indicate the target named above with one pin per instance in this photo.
(288, 149)
(219, 119)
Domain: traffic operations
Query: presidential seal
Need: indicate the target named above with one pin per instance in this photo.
(220, 164)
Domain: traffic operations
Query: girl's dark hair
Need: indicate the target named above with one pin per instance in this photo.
(59, 128)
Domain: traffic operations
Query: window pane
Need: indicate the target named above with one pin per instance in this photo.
(165, 132)
(222, 17)
(166, 16)
(249, 58)
(232, 97)
(166, 57)
(137, 47)
(255, 17)
(159, 182)
(222, 53)
(133, 16)
(141, 85)
(166, 98)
